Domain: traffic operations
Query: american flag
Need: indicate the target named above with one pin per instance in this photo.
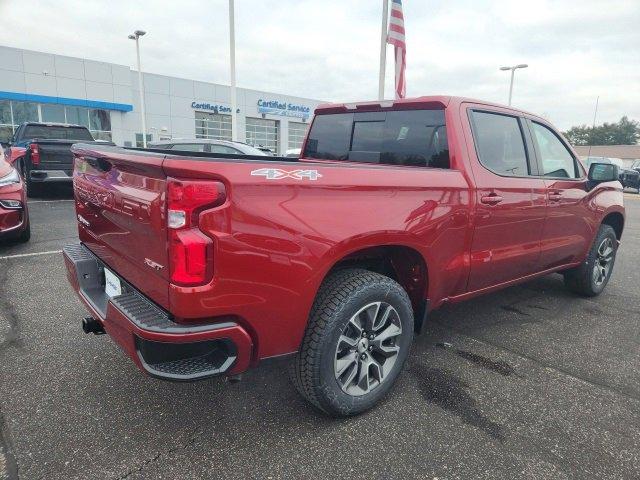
(396, 38)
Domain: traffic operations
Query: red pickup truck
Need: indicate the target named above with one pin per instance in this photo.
(207, 264)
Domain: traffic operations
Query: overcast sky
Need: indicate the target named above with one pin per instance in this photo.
(328, 49)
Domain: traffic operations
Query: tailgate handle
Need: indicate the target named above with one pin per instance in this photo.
(101, 164)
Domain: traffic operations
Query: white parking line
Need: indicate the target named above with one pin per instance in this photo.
(21, 255)
(50, 201)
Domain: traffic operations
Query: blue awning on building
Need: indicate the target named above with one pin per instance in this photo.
(76, 102)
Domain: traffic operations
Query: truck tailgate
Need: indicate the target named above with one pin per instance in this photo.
(55, 155)
(121, 208)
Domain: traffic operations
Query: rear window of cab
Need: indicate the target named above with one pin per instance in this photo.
(415, 138)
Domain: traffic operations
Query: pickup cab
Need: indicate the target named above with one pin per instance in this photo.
(41, 152)
(202, 264)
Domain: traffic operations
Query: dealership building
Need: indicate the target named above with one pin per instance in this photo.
(37, 86)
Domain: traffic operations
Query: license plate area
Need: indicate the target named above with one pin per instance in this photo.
(112, 284)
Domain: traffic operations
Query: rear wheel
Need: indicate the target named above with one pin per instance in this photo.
(358, 338)
(590, 278)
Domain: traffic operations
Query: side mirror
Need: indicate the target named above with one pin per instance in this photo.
(602, 172)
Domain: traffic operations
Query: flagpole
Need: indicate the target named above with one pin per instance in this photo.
(383, 48)
(232, 57)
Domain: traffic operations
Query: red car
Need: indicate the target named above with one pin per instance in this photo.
(14, 214)
(208, 264)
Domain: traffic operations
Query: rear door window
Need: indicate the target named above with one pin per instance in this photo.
(401, 137)
(500, 143)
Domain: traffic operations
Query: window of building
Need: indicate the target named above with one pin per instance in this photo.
(24, 112)
(261, 132)
(406, 137)
(556, 159)
(500, 144)
(100, 124)
(139, 143)
(14, 113)
(213, 125)
(6, 122)
(297, 132)
(78, 116)
(52, 113)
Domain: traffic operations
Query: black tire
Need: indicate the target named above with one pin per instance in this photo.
(25, 236)
(33, 189)
(584, 279)
(344, 296)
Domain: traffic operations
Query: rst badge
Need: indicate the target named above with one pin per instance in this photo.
(277, 174)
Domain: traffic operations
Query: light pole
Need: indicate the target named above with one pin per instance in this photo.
(513, 69)
(232, 65)
(135, 36)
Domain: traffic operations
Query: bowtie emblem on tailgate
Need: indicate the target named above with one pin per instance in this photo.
(277, 174)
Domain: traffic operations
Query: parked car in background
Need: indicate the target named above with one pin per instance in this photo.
(266, 150)
(202, 265)
(14, 213)
(41, 152)
(292, 153)
(636, 166)
(205, 145)
(629, 177)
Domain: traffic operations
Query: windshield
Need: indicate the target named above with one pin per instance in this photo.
(55, 132)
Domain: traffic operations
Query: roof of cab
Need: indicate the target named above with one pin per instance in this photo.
(427, 102)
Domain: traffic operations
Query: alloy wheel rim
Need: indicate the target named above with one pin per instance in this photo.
(604, 260)
(368, 348)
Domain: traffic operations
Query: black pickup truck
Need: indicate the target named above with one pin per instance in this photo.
(42, 152)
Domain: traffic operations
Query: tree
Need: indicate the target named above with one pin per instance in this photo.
(624, 132)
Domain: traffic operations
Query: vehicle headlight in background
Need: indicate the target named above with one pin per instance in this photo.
(13, 177)
(11, 204)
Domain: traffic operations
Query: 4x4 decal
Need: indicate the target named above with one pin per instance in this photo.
(277, 174)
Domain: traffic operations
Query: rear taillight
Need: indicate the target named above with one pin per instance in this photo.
(190, 250)
(35, 154)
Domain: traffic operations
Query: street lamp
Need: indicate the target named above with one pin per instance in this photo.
(135, 36)
(513, 69)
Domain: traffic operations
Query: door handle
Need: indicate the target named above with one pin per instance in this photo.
(554, 196)
(491, 199)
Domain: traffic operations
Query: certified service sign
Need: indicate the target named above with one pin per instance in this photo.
(274, 107)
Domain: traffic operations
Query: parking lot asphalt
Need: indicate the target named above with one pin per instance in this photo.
(531, 382)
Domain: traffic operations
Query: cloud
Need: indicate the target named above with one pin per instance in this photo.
(577, 50)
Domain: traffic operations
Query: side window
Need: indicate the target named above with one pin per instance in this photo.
(500, 144)
(557, 161)
(189, 147)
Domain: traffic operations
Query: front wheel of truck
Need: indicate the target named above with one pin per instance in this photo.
(357, 341)
(590, 278)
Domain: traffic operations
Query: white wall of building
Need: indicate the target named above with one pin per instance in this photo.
(168, 100)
